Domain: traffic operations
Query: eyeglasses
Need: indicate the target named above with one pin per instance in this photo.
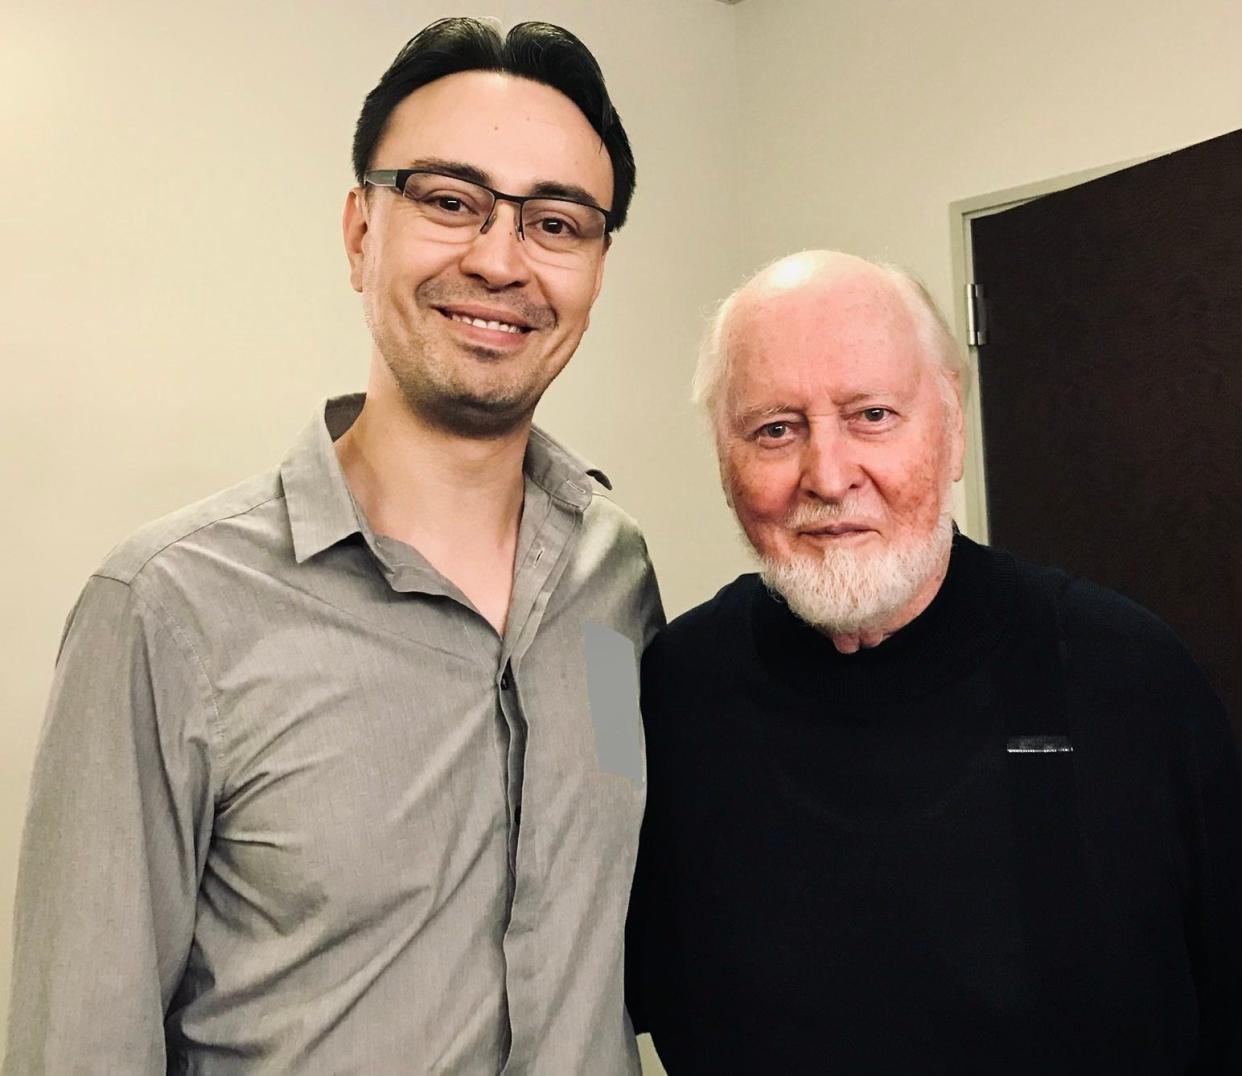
(561, 230)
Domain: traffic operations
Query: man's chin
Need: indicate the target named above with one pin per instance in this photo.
(844, 591)
(484, 412)
(834, 601)
(478, 417)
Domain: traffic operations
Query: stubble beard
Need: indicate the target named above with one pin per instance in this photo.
(431, 387)
(842, 591)
(456, 409)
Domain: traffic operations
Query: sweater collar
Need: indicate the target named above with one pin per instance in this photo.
(964, 622)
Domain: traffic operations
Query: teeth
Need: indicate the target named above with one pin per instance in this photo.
(503, 326)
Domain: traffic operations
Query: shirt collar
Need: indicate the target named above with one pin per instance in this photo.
(322, 511)
(563, 474)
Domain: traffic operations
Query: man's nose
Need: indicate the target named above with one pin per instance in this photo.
(496, 254)
(829, 468)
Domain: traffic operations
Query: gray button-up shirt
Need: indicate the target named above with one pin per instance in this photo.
(298, 808)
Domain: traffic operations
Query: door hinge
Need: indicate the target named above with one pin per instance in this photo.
(976, 316)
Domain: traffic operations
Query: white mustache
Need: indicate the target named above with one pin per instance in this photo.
(810, 516)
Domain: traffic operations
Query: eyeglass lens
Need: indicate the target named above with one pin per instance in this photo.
(553, 225)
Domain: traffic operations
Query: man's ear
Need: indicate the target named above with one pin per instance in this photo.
(957, 433)
(599, 283)
(354, 230)
(726, 481)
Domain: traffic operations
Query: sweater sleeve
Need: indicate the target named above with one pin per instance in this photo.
(1143, 675)
(116, 834)
(641, 922)
(1214, 930)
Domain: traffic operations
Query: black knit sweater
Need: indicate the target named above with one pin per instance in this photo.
(1007, 840)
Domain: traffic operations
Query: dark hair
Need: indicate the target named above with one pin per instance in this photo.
(537, 51)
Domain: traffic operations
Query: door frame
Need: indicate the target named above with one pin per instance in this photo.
(961, 213)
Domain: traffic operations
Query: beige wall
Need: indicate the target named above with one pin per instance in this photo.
(174, 300)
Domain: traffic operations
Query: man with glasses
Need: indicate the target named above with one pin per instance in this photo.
(342, 770)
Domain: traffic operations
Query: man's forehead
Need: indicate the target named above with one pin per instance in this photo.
(851, 340)
(849, 315)
(515, 130)
(845, 299)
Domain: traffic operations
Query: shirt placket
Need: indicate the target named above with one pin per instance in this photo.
(541, 562)
(548, 525)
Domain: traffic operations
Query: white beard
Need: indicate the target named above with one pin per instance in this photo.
(847, 591)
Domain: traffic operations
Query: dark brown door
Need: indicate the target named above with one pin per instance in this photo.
(1111, 383)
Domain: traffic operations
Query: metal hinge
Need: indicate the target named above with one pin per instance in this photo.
(976, 316)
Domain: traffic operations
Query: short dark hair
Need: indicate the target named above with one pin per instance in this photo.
(538, 51)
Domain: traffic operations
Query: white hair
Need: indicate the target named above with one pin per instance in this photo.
(935, 337)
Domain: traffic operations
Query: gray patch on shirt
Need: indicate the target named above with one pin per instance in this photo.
(612, 684)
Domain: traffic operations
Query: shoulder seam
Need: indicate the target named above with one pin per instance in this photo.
(177, 631)
(103, 573)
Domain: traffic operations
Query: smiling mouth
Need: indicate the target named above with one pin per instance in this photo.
(486, 323)
(840, 530)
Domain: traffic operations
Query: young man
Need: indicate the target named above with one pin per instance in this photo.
(342, 769)
(915, 806)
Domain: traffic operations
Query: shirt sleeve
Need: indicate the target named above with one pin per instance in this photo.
(115, 839)
(651, 614)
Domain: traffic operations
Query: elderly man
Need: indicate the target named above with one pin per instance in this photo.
(914, 805)
(342, 770)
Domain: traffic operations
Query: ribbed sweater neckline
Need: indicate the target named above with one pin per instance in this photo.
(964, 623)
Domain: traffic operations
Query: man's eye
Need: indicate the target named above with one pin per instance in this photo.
(446, 206)
(452, 204)
(774, 431)
(875, 414)
(556, 226)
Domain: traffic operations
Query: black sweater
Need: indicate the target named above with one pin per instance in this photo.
(1007, 840)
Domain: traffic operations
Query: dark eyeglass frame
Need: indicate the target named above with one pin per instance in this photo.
(396, 179)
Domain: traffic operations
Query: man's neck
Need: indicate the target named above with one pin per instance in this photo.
(852, 642)
(456, 499)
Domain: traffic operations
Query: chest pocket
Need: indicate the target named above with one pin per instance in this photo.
(612, 686)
